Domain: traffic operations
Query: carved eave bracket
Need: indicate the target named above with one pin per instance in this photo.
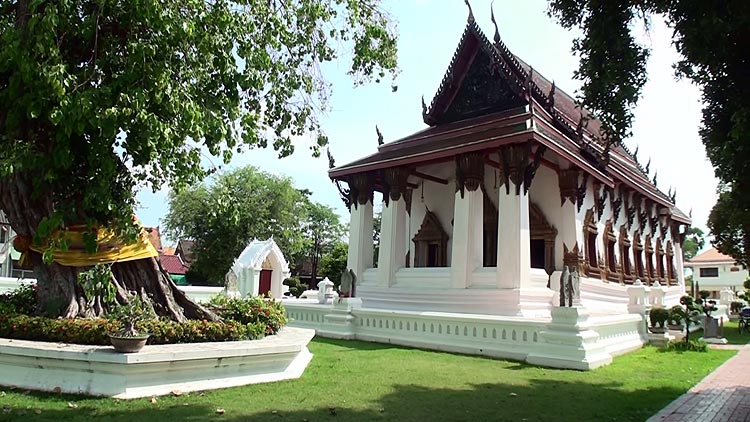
(631, 210)
(514, 159)
(361, 188)
(396, 180)
(616, 204)
(600, 199)
(568, 182)
(469, 172)
(581, 194)
(532, 167)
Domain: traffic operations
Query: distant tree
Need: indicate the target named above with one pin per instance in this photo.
(333, 262)
(226, 213)
(694, 242)
(322, 229)
(730, 226)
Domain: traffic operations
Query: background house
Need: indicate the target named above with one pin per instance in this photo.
(714, 271)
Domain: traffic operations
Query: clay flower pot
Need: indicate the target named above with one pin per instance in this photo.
(128, 344)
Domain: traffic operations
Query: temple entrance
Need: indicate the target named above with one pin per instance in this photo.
(265, 282)
(430, 243)
(537, 253)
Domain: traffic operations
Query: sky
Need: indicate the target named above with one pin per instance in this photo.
(665, 129)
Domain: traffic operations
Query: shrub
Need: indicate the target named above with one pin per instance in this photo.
(736, 306)
(251, 310)
(675, 315)
(295, 286)
(20, 301)
(687, 346)
(94, 331)
(658, 316)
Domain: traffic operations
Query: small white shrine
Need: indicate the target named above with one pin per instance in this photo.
(508, 194)
(259, 270)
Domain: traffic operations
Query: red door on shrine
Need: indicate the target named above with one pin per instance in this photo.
(265, 282)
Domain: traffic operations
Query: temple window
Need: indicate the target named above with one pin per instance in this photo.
(430, 243)
(542, 240)
(638, 254)
(625, 255)
(649, 249)
(611, 259)
(590, 233)
(660, 260)
(671, 278)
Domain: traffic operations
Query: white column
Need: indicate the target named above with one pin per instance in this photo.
(360, 239)
(466, 251)
(678, 264)
(392, 253)
(513, 244)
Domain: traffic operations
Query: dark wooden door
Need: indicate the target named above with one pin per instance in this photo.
(265, 282)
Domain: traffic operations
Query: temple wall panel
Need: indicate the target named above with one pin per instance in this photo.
(439, 199)
(545, 193)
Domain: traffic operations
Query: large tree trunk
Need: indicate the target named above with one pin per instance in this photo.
(58, 289)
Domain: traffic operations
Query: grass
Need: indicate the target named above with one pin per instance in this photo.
(356, 381)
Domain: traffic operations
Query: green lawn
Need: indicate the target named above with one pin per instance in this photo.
(355, 381)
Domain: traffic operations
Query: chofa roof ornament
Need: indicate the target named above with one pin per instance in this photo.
(496, 38)
(471, 13)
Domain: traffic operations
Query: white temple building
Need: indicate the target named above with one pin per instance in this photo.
(482, 211)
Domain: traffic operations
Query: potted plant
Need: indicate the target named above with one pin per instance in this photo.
(129, 339)
(658, 316)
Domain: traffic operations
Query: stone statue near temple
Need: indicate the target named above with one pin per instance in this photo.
(347, 286)
(563, 281)
(570, 284)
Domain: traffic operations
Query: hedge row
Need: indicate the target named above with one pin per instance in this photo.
(93, 331)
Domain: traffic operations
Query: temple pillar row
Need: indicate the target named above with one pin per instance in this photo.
(361, 245)
(392, 252)
(513, 234)
(360, 239)
(466, 254)
(513, 240)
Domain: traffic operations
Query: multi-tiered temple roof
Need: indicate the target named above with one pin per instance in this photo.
(489, 98)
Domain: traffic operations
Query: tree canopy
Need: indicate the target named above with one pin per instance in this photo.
(98, 97)
(101, 97)
(713, 38)
(694, 242)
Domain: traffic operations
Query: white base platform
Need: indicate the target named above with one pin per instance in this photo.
(570, 339)
(156, 370)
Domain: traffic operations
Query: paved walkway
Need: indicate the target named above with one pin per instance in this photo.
(723, 396)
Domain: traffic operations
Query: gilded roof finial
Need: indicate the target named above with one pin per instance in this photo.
(492, 17)
(470, 19)
(380, 135)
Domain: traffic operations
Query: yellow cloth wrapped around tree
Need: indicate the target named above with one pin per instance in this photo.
(110, 249)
